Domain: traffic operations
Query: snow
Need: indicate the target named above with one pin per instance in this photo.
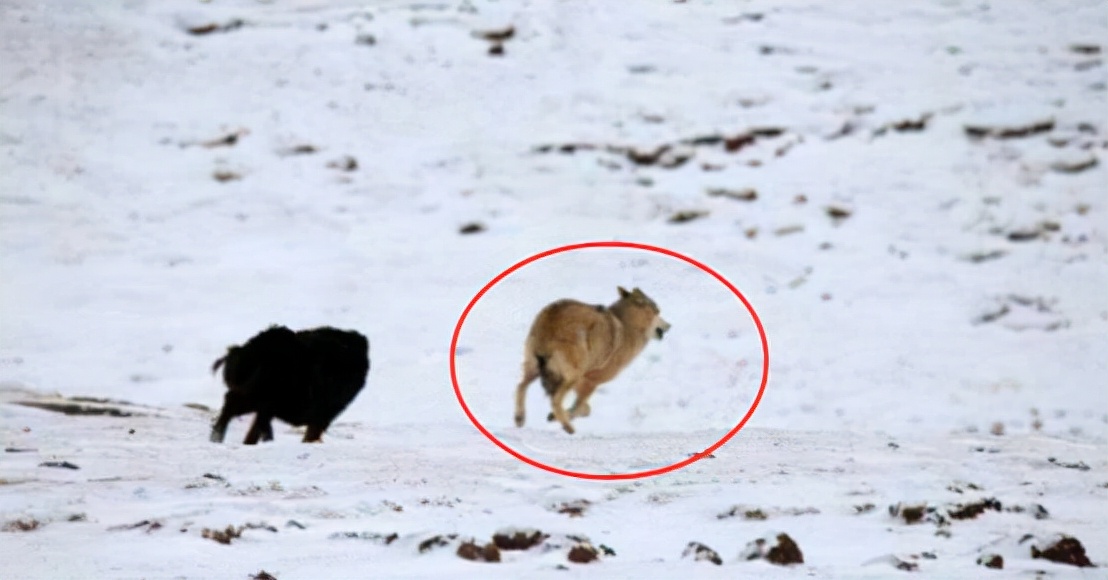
(916, 346)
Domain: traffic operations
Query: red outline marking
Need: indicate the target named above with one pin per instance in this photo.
(611, 476)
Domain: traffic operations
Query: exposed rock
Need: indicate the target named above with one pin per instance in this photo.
(746, 194)
(436, 542)
(471, 551)
(583, 553)
(782, 552)
(1075, 165)
(700, 552)
(574, 509)
(62, 464)
(383, 539)
(346, 163)
(472, 228)
(224, 175)
(1064, 550)
(912, 514)
(497, 34)
(972, 510)
(223, 536)
(838, 213)
(1009, 131)
(203, 29)
(686, 216)
(22, 525)
(518, 539)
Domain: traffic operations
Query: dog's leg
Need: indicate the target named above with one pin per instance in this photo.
(219, 428)
(233, 406)
(314, 434)
(267, 432)
(261, 425)
(530, 373)
(557, 403)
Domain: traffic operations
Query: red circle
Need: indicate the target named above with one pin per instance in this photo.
(611, 476)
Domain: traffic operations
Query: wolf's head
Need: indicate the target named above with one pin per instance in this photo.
(643, 312)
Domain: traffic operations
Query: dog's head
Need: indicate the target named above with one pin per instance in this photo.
(645, 310)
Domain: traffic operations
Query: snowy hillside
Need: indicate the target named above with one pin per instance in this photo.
(912, 195)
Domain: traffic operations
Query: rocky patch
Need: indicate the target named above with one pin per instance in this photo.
(573, 509)
(226, 535)
(1080, 465)
(22, 525)
(1015, 131)
(1016, 312)
(745, 194)
(676, 153)
(512, 539)
(213, 27)
(757, 513)
(377, 538)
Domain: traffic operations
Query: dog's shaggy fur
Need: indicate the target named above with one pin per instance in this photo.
(302, 378)
(577, 347)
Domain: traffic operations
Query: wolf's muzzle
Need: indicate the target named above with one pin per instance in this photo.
(661, 330)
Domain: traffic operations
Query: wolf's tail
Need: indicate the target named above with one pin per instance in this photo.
(550, 379)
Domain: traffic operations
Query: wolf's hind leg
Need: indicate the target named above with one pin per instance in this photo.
(530, 373)
(557, 403)
(580, 407)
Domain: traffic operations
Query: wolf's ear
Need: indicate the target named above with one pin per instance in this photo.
(637, 292)
(623, 293)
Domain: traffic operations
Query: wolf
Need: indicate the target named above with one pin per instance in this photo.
(577, 347)
(302, 378)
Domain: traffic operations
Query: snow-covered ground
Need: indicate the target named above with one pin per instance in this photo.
(913, 196)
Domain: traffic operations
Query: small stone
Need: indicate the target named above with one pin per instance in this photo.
(583, 554)
(991, 561)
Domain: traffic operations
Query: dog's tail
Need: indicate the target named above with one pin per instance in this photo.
(550, 379)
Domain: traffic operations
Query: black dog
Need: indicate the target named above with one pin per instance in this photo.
(302, 378)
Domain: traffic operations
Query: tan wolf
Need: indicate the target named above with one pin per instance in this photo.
(577, 346)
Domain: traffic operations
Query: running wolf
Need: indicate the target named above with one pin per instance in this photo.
(573, 346)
